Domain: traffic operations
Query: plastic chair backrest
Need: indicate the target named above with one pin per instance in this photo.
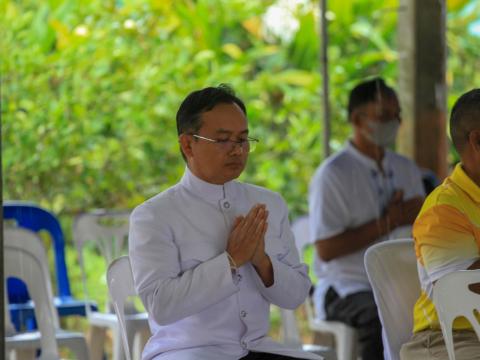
(25, 258)
(392, 270)
(453, 298)
(290, 331)
(107, 230)
(35, 218)
(9, 329)
(121, 286)
(301, 232)
(345, 336)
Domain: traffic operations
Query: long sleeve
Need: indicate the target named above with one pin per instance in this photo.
(291, 282)
(177, 245)
(168, 293)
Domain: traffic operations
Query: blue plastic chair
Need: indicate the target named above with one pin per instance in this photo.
(35, 218)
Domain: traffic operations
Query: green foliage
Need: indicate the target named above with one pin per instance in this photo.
(464, 54)
(90, 90)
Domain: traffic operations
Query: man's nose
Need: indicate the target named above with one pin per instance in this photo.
(237, 148)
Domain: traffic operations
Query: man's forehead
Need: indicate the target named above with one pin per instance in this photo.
(225, 123)
(385, 103)
(225, 118)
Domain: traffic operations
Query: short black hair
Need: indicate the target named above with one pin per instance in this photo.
(367, 92)
(464, 118)
(190, 111)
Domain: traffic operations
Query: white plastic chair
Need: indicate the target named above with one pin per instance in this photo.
(453, 298)
(108, 231)
(344, 335)
(290, 332)
(392, 270)
(291, 337)
(121, 287)
(25, 258)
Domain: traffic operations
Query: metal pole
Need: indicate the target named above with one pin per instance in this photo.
(325, 78)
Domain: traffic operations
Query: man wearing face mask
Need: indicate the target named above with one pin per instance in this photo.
(362, 195)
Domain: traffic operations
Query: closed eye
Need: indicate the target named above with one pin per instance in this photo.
(228, 140)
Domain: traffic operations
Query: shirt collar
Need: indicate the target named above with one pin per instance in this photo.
(364, 159)
(205, 190)
(460, 177)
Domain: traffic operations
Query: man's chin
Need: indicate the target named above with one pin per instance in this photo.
(234, 170)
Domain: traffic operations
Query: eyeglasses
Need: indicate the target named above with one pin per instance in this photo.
(249, 144)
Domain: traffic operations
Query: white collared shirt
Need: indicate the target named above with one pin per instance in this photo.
(349, 190)
(195, 303)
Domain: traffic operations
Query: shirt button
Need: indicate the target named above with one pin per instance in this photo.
(243, 313)
(226, 205)
(239, 277)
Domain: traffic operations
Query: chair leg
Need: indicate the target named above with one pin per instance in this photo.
(448, 338)
(118, 352)
(80, 349)
(23, 354)
(324, 338)
(145, 335)
(141, 337)
(131, 336)
(345, 345)
(96, 342)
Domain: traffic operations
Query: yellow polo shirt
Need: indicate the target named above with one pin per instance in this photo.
(447, 239)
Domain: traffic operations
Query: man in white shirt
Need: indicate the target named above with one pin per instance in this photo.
(361, 195)
(210, 254)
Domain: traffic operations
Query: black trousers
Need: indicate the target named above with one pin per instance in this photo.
(359, 311)
(266, 356)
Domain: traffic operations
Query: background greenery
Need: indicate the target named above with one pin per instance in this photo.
(90, 90)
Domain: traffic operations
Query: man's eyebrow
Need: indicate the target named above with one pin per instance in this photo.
(228, 132)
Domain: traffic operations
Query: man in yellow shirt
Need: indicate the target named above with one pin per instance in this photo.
(447, 238)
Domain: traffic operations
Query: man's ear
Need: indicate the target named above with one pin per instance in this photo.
(356, 117)
(185, 141)
(474, 140)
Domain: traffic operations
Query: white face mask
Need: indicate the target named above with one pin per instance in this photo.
(382, 133)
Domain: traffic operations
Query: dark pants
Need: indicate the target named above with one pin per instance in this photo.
(265, 356)
(359, 311)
